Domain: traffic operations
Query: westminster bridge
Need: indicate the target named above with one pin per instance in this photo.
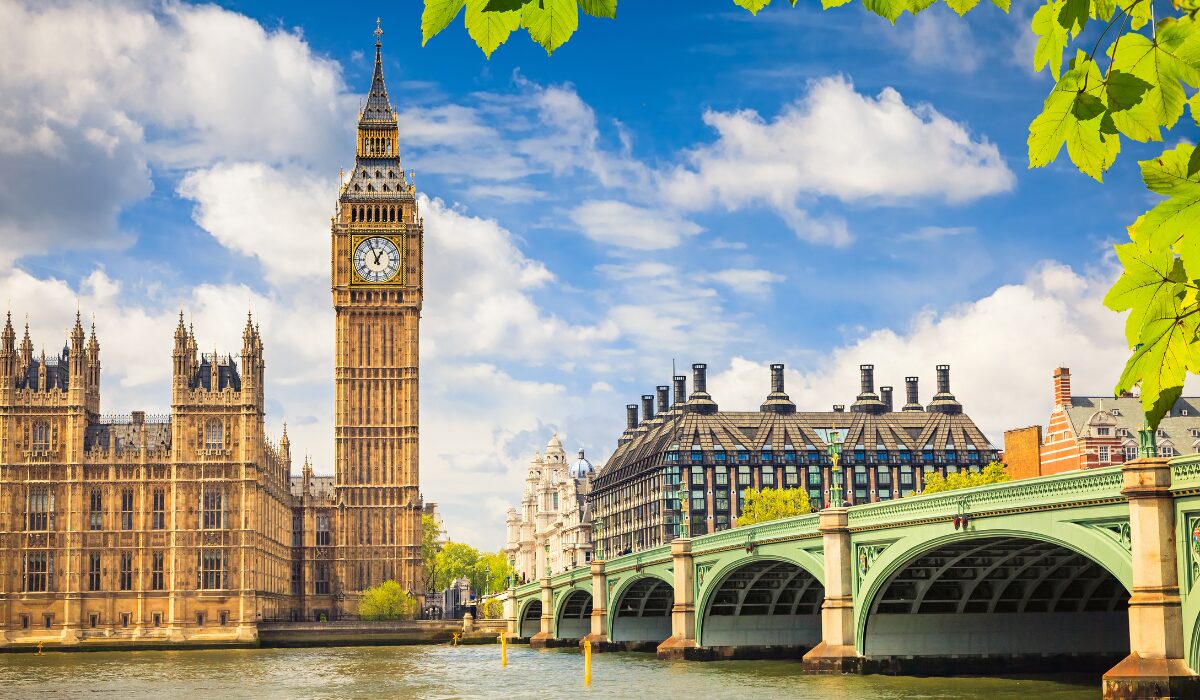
(1082, 570)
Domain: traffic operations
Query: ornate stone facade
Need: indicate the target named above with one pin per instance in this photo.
(377, 242)
(553, 530)
(145, 529)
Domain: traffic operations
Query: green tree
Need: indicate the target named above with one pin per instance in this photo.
(1132, 87)
(492, 609)
(490, 573)
(772, 504)
(387, 601)
(455, 561)
(993, 473)
(431, 544)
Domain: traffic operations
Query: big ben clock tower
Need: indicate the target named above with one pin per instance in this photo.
(377, 292)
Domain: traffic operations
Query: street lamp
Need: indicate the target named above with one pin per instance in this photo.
(683, 518)
(834, 448)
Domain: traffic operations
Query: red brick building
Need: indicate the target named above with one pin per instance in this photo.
(1096, 431)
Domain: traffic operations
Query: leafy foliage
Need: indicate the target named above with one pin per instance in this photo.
(772, 504)
(431, 545)
(387, 601)
(993, 473)
(486, 571)
(1135, 88)
(492, 609)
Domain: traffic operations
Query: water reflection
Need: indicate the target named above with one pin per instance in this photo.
(469, 672)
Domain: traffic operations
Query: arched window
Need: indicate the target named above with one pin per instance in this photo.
(391, 174)
(214, 435)
(366, 144)
(378, 174)
(370, 188)
(41, 435)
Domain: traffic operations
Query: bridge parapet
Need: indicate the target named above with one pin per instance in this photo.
(1185, 473)
(646, 557)
(787, 528)
(1091, 486)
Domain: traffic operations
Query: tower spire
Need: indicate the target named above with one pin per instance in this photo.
(378, 108)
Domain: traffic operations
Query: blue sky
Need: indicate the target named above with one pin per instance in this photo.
(814, 188)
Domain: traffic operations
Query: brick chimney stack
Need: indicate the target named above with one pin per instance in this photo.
(1062, 386)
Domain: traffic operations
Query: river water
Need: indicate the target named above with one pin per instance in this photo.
(470, 672)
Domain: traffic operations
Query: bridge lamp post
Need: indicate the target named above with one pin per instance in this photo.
(683, 514)
(834, 448)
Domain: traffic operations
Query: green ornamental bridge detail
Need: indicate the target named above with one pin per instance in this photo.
(1087, 568)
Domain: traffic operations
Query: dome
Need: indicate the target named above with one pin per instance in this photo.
(582, 468)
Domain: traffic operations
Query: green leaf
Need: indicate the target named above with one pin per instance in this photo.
(826, 4)
(1194, 105)
(1074, 15)
(1075, 114)
(437, 15)
(1139, 11)
(1123, 90)
(1103, 9)
(962, 7)
(1175, 221)
(1148, 285)
(888, 9)
(1052, 39)
(753, 5)
(1172, 57)
(1161, 363)
(551, 23)
(1002, 4)
(601, 8)
(489, 29)
(915, 6)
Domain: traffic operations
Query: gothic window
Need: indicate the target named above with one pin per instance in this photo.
(370, 188)
(366, 144)
(378, 174)
(126, 572)
(157, 571)
(392, 174)
(214, 435)
(38, 571)
(127, 509)
(41, 436)
(93, 577)
(385, 188)
(210, 570)
(212, 507)
(158, 509)
(321, 580)
(357, 188)
(322, 530)
(40, 509)
(96, 510)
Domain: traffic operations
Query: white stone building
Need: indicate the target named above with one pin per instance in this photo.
(552, 532)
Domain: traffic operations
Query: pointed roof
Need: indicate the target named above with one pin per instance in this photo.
(378, 108)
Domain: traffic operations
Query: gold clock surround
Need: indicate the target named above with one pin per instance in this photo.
(399, 279)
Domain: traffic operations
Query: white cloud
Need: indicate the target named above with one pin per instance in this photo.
(1002, 350)
(836, 143)
(939, 39)
(747, 281)
(628, 226)
(278, 215)
(935, 233)
(108, 90)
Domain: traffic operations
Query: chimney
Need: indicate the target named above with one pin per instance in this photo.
(839, 408)
(885, 395)
(1062, 386)
(680, 389)
(913, 399)
(700, 401)
(777, 401)
(664, 398)
(631, 416)
(647, 408)
(868, 401)
(943, 401)
(138, 417)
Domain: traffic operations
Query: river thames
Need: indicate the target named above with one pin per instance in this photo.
(469, 672)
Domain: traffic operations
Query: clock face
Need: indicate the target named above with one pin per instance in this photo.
(376, 259)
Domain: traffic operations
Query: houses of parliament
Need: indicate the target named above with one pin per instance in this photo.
(191, 527)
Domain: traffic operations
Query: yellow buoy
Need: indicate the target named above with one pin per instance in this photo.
(503, 651)
(454, 642)
(40, 649)
(587, 662)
